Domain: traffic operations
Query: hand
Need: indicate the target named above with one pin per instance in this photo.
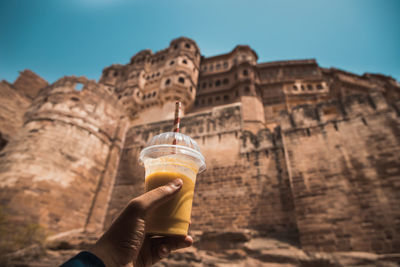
(125, 243)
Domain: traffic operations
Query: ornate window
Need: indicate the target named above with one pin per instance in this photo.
(319, 87)
(217, 83)
(295, 87)
(181, 80)
(184, 61)
(309, 87)
(168, 81)
(225, 81)
(245, 73)
(172, 62)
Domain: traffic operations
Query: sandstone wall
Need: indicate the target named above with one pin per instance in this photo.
(59, 169)
(344, 166)
(13, 105)
(29, 83)
(245, 185)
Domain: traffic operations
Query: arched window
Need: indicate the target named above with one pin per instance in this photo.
(168, 81)
(196, 103)
(148, 95)
(181, 80)
(154, 94)
(115, 74)
(226, 97)
(302, 88)
(295, 87)
(217, 83)
(309, 87)
(152, 76)
(319, 87)
(205, 68)
(162, 58)
(210, 84)
(204, 85)
(187, 45)
(172, 62)
(226, 81)
(218, 66)
(191, 89)
(247, 89)
(138, 94)
(176, 46)
(184, 61)
(211, 68)
(209, 100)
(245, 73)
(218, 98)
(225, 65)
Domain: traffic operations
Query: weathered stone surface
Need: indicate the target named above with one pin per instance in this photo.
(29, 83)
(244, 249)
(64, 155)
(13, 105)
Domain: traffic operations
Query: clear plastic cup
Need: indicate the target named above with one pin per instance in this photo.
(165, 162)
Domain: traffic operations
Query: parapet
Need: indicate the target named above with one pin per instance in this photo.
(305, 116)
(80, 102)
(29, 83)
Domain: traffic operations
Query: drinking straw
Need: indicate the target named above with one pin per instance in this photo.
(177, 119)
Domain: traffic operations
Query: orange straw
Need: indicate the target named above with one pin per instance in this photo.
(177, 119)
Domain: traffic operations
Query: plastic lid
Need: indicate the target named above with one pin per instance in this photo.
(162, 145)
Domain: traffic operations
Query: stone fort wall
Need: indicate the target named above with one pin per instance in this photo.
(58, 169)
(326, 178)
(344, 168)
(243, 187)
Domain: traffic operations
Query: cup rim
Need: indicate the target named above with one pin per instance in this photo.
(182, 149)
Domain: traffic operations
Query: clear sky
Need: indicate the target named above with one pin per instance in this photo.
(80, 37)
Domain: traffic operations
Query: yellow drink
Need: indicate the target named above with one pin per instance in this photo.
(172, 217)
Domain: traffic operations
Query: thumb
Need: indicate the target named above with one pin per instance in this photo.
(157, 196)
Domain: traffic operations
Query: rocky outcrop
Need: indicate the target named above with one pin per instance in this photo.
(211, 249)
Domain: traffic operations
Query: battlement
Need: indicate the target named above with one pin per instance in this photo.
(306, 116)
(79, 101)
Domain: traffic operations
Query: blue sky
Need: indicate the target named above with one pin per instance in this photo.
(80, 37)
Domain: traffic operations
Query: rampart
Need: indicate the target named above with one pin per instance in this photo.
(344, 166)
(59, 169)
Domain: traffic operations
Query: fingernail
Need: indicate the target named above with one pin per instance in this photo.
(177, 183)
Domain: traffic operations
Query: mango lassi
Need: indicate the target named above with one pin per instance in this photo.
(172, 217)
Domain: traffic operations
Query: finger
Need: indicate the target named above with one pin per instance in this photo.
(157, 196)
(162, 246)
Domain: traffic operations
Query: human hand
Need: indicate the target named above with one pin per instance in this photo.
(125, 242)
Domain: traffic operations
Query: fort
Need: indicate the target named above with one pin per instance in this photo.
(294, 151)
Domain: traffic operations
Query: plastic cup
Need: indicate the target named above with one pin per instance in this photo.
(165, 162)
